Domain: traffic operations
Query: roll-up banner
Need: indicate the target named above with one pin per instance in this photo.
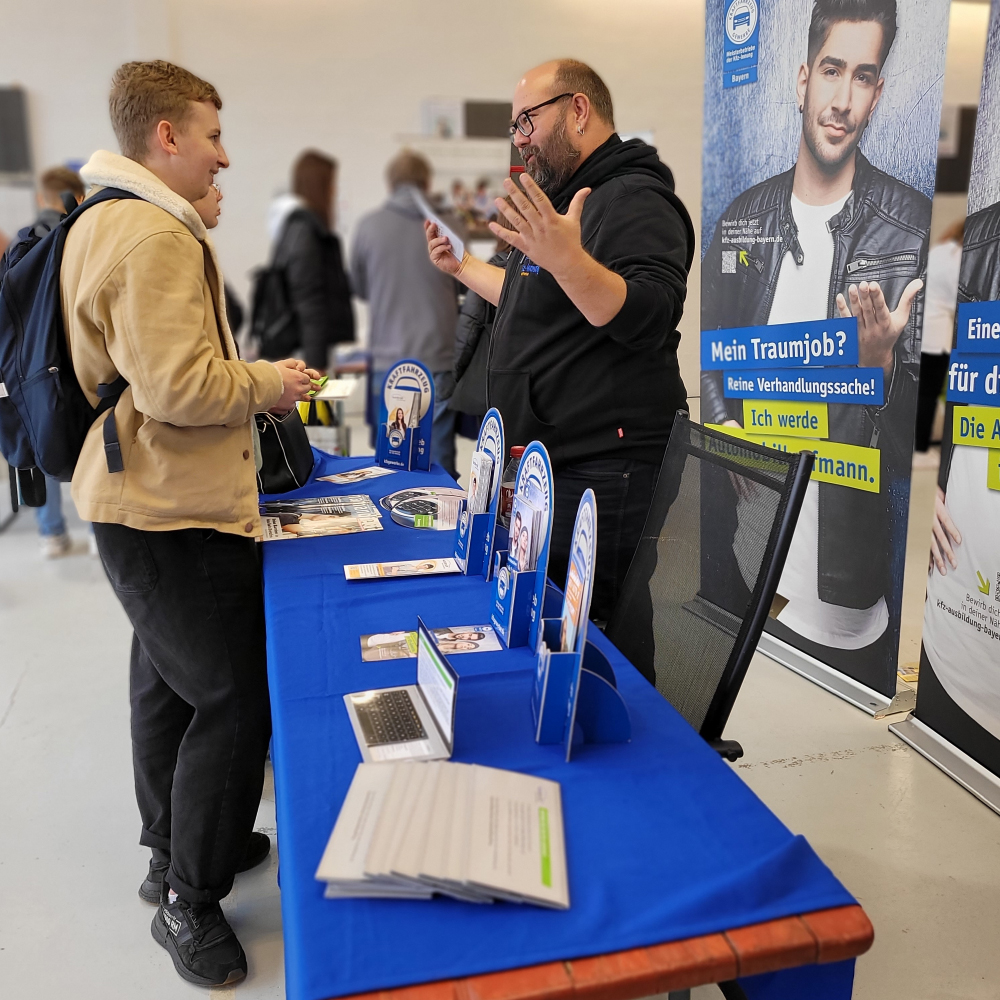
(820, 147)
(957, 719)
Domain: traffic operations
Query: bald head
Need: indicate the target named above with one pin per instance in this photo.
(563, 133)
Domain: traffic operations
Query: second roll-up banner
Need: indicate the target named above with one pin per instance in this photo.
(957, 719)
(820, 146)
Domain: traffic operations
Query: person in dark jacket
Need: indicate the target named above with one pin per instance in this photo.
(583, 355)
(834, 236)
(309, 252)
(465, 385)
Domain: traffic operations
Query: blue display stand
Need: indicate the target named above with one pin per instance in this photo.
(406, 413)
(516, 612)
(477, 535)
(575, 697)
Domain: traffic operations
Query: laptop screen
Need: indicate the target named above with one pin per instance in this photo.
(437, 681)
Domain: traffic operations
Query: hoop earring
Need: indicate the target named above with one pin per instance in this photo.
(579, 129)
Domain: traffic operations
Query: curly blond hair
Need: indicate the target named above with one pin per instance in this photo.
(146, 93)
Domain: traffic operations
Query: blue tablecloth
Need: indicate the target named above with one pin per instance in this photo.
(664, 841)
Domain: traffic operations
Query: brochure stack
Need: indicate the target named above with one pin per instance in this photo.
(409, 830)
(478, 533)
(519, 573)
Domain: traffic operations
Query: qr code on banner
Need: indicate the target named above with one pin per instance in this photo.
(728, 261)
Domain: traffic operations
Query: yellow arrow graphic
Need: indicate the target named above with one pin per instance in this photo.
(743, 258)
(984, 585)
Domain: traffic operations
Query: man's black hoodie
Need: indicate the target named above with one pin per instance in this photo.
(590, 392)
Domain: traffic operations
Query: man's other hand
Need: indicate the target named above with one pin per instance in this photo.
(551, 240)
(944, 533)
(439, 248)
(878, 328)
(296, 380)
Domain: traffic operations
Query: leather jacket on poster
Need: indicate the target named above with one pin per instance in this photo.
(978, 281)
(879, 235)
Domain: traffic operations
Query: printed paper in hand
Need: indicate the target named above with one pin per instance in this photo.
(457, 243)
(403, 568)
(357, 475)
(403, 645)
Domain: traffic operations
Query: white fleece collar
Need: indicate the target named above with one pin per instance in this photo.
(106, 169)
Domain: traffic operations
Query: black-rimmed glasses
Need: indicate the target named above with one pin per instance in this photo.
(523, 122)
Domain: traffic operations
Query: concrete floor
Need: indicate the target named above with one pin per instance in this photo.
(919, 852)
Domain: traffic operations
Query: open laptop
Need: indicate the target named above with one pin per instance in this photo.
(415, 722)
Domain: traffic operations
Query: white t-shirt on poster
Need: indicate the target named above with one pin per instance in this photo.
(803, 293)
(960, 621)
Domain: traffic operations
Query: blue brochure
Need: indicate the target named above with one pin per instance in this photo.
(406, 413)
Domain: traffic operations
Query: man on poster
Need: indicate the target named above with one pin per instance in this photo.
(833, 236)
(960, 638)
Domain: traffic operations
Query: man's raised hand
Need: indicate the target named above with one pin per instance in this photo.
(878, 328)
(440, 250)
(551, 240)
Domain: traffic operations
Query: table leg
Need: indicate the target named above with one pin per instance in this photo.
(679, 995)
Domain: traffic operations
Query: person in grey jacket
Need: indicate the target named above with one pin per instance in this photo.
(412, 305)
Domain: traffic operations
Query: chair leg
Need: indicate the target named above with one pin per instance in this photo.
(679, 995)
(729, 749)
(732, 990)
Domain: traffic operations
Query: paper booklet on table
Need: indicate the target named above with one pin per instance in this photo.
(401, 569)
(451, 641)
(478, 834)
(480, 478)
(356, 475)
(415, 722)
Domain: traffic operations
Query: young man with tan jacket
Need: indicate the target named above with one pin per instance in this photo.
(175, 527)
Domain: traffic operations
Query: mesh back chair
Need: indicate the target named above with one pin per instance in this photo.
(705, 572)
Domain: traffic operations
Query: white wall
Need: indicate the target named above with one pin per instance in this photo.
(348, 76)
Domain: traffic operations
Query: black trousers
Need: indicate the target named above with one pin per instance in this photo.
(933, 368)
(624, 491)
(201, 717)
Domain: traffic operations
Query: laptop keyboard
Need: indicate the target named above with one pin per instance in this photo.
(389, 718)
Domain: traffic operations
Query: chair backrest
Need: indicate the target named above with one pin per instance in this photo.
(705, 572)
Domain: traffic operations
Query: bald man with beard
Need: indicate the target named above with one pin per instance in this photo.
(583, 354)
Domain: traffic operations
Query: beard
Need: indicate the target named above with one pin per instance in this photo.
(554, 163)
(830, 158)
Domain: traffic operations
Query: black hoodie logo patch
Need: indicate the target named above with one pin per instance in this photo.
(528, 267)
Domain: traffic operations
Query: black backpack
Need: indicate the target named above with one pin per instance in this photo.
(44, 414)
(274, 326)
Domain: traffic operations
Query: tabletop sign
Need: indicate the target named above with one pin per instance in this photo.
(476, 535)
(575, 696)
(518, 594)
(406, 413)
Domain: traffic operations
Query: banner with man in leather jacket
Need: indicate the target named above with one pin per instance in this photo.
(959, 692)
(821, 126)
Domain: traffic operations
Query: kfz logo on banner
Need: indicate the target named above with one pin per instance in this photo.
(739, 56)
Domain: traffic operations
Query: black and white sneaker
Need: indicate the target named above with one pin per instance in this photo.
(257, 850)
(204, 949)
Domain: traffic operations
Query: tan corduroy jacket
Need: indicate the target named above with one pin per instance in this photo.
(142, 297)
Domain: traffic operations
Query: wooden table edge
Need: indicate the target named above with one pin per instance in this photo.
(830, 935)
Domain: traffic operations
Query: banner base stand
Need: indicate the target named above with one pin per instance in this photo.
(959, 766)
(858, 694)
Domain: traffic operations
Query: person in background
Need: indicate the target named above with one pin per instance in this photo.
(176, 517)
(943, 264)
(482, 203)
(583, 354)
(412, 305)
(52, 185)
(309, 251)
